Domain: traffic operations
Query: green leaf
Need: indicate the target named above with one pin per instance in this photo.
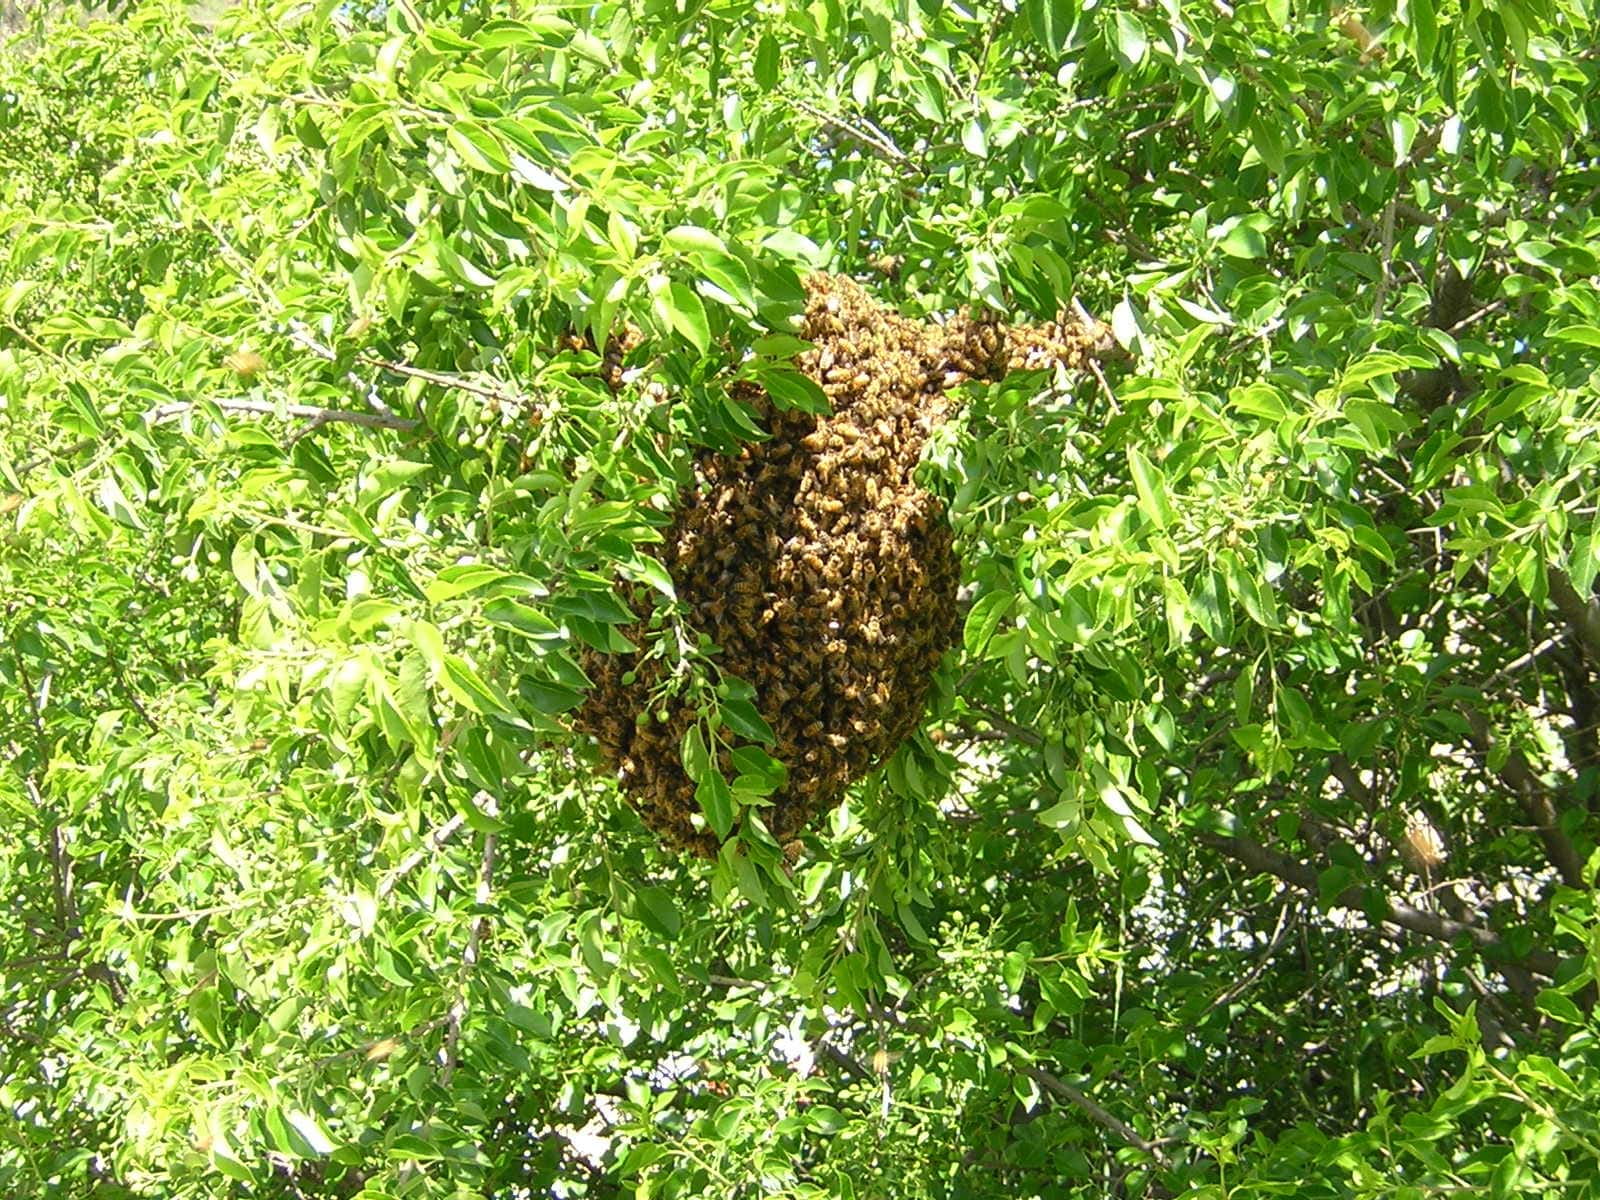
(474, 692)
(594, 606)
(1151, 486)
(523, 619)
(312, 1138)
(715, 798)
(659, 912)
(1051, 22)
(742, 717)
(686, 315)
(982, 621)
(696, 758)
(1259, 400)
(1212, 609)
(1376, 365)
(466, 579)
(1424, 29)
(790, 389)
(116, 504)
(768, 63)
(478, 147)
(547, 696)
(1243, 241)
(647, 570)
(205, 1010)
(864, 83)
(1582, 335)
(1558, 1006)
(1130, 38)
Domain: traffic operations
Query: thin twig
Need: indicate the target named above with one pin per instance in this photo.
(190, 914)
(1516, 773)
(851, 1065)
(342, 416)
(1472, 318)
(129, 693)
(1106, 1120)
(436, 841)
(469, 955)
(878, 141)
(1006, 725)
(60, 860)
(1517, 664)
(1253, 854)
(39, 460)
(1386, 274)
(301, 334)
(983, 55)
(1284, 925)
(1105, 387)
(490, 391)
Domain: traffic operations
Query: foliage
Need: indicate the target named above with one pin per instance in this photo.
(1248, 847)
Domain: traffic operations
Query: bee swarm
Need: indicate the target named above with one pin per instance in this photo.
(826, 576)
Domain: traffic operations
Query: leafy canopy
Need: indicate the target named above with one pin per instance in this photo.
(1247, 847)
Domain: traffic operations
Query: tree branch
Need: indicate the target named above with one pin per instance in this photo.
(1583, 615)
(1516, 774)
(848, 1063)
(469, 956)
(1061, 1089)
(312, 412)
(1258, 857)
(877, 140)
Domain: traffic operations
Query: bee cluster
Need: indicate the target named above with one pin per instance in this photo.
(825, 576)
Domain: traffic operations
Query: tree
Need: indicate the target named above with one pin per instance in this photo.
(1247, 845)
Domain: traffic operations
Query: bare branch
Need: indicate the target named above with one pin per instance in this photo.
(469, 955)
(323, 416)
(1535, 800)
(1253, 854)
(436, 841)
(1106, 1120)
(1386, 276)
(29, 465)
(1582, 614)
(1288, 917)
(877, 140)
(846, 1062)
(1006, 725)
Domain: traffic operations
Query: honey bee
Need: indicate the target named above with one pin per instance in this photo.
(887, 265)
(246, 364)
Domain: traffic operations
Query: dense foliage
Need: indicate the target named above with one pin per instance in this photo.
(1248, 845)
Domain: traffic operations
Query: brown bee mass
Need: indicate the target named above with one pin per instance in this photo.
(820, 569)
